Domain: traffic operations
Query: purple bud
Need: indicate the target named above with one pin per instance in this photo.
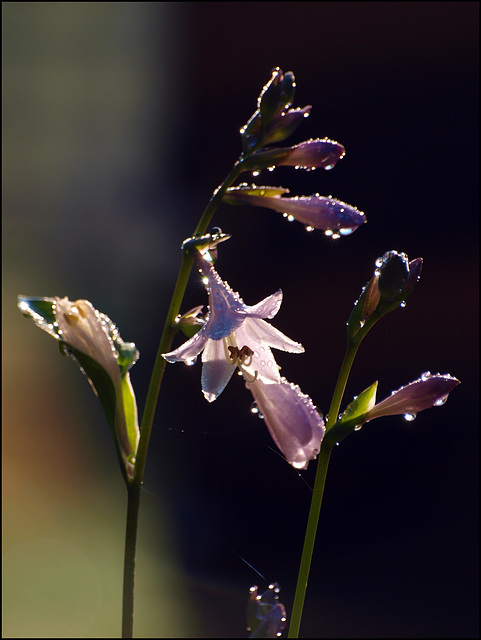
(311, 154)
(333, 216)
(427, 391)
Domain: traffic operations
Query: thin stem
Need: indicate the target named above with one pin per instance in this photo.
(317, 494)
(134, 485)
(133, 504)
(309, 540)
(341, 384)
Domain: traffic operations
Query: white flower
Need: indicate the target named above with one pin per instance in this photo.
(234, 334)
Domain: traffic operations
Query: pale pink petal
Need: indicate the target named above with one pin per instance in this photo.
(189, 351)
(261, 332)
(266, 308)
(216, 370)
(292, 419)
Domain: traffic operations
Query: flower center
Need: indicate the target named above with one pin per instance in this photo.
(240, 358)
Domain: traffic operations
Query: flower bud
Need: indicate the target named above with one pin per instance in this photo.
(311, 154)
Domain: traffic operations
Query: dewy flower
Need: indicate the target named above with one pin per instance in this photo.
(266, 617)
(334, 217)
(427, 391)
(93, 340)
(310, 154)
(292, 419)
(234, 335)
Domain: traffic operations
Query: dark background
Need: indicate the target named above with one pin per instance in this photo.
(119, 121)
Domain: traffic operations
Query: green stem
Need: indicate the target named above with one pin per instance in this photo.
(134, 486)
(309, 540)
(318, 492)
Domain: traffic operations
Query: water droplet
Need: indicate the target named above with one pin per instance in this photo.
(290, 218)
(378, 262)
(271, 168)
(328, 232)
(345, 232)
(256, 173)
(309, 228)
(328, 167)
(190, 361)
(358, 427)
(403, 304)
(425, 375)
(409, 417)
(440, 401)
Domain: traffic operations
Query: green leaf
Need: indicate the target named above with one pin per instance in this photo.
(130, 409)
(361, 404)
(353, 417)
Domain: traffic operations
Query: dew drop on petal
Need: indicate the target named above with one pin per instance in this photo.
(425, 375)
(440, 401)
(345, 232)
(309, 228)
(409, 417)
(290, 218)
(403, 304)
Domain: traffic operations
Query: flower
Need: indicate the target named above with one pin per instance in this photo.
(333, 216)
(234, 334)
(266, 618)
(93, 340)
(427, 391)
(310, 154)
(293, 421)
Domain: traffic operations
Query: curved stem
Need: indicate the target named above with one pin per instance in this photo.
(134, 486)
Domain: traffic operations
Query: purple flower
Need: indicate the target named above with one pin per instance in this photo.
(311, 154)
(292, 419)
(427, 391)
(333, 216)
(266, 618)
(234, 335)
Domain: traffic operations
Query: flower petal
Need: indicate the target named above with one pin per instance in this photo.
(266, 308)
(261, 332)
(188, 351)
(216, 370)
(292, 419)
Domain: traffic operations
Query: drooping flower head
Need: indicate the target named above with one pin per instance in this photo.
(234, 335)
(293, 421)
(93, 341)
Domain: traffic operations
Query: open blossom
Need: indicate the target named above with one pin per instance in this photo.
(293, 421)
(234, 335)
(430, 390)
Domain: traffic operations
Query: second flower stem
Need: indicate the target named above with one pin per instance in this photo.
(134, 488)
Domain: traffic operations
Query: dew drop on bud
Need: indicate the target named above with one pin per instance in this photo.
(409, 417)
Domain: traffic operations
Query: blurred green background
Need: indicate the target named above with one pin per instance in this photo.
(119, 119)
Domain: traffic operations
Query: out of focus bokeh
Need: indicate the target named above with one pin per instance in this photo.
(119, 120)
